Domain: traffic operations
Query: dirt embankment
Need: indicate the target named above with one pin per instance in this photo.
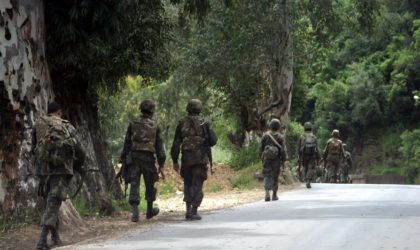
(218, 195)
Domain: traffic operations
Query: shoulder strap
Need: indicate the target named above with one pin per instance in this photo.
(274, 140)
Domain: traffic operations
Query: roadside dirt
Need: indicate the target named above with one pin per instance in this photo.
(171, 206)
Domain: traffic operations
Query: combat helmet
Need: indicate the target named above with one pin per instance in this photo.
(307, 126)
(147, 106)
(194, 106)
(274, 124)
(335, 133)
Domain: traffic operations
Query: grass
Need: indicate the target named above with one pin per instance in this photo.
(83, 208)
(9, 223)
(221, 155)
(214, 188)
(245, 179)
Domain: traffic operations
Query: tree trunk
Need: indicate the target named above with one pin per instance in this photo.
(25, 90)
(282, 73)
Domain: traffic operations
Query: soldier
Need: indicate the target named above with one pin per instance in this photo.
(346, 166)
(56, 150)
(333, 155)
(142, 142)
(194, 138)
(273, 154)
(308, 154)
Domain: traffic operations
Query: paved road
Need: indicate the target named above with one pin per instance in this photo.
(326, 217)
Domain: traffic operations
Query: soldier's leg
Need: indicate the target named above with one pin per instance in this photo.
(56, 193)
(186, 174)
(199, 175)
(268, 180)
(55, 236)
(331, 172)
(150, 177)
(275, 185)
(307, 173)
(134, 196)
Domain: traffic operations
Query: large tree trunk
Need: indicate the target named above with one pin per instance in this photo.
(281, 84)
(25, 90)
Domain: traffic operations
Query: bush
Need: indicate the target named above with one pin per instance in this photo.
(245, 179)
(294, 130)
(410, 150)
(245, 156)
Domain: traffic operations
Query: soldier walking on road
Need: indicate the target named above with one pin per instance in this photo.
(142, 142)
(346, 166)
(273, 154)
(308, 154)
(193, 139)
(333, 156)
(56, 150)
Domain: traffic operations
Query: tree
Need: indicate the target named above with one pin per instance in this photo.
(64, 50)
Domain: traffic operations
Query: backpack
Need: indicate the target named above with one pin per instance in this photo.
(56, 145)
(193, 134)
(334, 148)
(143, 135)
(272, 152)
(309, 145)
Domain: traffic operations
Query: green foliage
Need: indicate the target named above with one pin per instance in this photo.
(214, 188)
(165, 188)
(410, 151)
(9, 223)
(98, 42)
(245, 179)
(294, 130)
(245, 156)
(83, 207)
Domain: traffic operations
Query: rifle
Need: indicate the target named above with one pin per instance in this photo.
(82, 177)
(208, 147)
(124, 173)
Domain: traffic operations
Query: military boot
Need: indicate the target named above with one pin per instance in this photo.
(188, 211)
(42, 243)
(55, 237)
(308, 184)
(135, 211)
(194, 214)
(151, 212)
(267, 195)
(274, 197)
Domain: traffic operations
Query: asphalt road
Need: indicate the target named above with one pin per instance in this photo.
(328, 216)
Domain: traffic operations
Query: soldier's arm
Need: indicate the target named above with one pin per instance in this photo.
(176, 145)
(299, 144)
(127, 143)
(160, 149)
(350, 160)
(285, 153)
(326, 151)
(343, 153)
(317, 153)
(262, 145)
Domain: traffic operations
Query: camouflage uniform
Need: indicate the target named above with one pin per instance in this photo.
(272, 166)
(308, 154)
(192, 139)
(143, 141)
(54, 167)
(333, 156)
(345, 167)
